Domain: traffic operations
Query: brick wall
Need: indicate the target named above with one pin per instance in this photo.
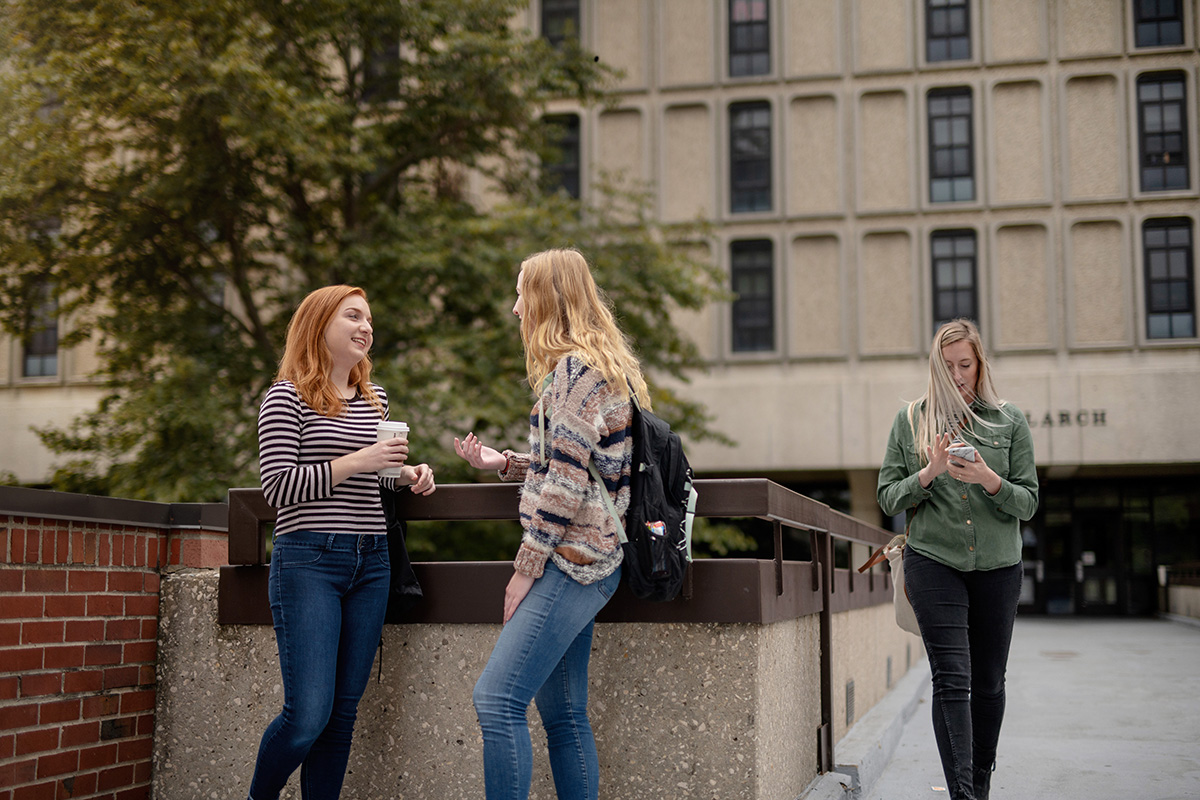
(78, 644)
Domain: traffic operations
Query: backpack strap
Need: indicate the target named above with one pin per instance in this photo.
(690, 516)
(595, 472)
(546, 381)
(608, 502)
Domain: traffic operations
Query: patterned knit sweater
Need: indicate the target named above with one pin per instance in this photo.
(561, 505)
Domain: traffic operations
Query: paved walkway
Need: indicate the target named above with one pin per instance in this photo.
(1097, 709)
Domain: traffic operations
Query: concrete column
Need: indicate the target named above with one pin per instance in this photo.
(864, 506)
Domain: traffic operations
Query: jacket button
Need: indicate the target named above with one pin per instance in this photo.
(968, 522)
(971, 548)
(964, 497)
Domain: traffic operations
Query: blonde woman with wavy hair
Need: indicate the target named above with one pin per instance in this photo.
(581, 368)
(330, 571)
(959, 463)
(565, 312)
(946, 408)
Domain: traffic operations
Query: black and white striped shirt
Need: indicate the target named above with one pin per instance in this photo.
(296, 446)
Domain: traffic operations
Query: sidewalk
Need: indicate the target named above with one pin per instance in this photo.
(1097, 709)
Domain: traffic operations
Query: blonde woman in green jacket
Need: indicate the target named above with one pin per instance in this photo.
(960, 462)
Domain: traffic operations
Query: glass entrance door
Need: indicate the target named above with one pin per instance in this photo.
(1099, 560)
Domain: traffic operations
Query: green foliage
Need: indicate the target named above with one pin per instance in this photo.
(181, 174)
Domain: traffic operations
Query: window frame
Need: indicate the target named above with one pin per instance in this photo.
(756, 192)
(552, 12)
(381, 73)
(1168, 223)
(1145, 157)
(965, 35)
(40, 336)
(571, 145)
(752, 29)
(749, 339)
(1139, 23)
(954, 235)
(934, 147)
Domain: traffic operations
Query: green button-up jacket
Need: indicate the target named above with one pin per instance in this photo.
(959, 524)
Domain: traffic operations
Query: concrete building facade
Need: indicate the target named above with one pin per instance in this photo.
(875, 167)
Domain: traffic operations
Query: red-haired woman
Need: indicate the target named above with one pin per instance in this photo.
(330, 573)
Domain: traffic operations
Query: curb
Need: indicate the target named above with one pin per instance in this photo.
(863, 753)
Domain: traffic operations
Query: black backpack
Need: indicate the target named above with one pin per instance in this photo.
(657, 535)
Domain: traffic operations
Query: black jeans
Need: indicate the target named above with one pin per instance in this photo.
(966, 621)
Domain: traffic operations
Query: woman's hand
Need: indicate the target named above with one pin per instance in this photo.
(976, 471)
(518, 586)
(475, 453)
(939, 456)
(381, 455)
(418, 478)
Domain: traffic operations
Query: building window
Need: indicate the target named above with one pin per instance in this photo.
(954, 264)
(753, 280)
(1162, 131)
(749, 38)
(560, 171)
(1170, 279)
(947, 30)
(1157, 23)
(750, 157)
(560, 20)
(381, 71)
(951, 149)
(40, 337)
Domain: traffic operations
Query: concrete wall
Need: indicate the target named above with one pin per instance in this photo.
(695, 710)
(1184, 601)
(871, 652)
(38, 403)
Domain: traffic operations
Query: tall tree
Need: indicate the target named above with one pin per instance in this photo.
(180, 174)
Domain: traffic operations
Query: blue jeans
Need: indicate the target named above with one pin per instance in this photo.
(543, 653)
(966, 621)
(328, 594)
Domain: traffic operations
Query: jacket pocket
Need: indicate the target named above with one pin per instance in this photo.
(994, 446)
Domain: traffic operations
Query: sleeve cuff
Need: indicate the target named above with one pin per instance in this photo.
(1001, 497)
(530, 562)
(515, 467)
(919, 492)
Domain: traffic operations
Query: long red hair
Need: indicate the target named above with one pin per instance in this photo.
(307, 361)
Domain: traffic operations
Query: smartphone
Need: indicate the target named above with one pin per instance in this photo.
(964, 451)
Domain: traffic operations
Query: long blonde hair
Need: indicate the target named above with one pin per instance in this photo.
(566, 313)
(307, 362)
(942, 409)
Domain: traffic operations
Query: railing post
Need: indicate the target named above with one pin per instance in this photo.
(778, 558)
(823, 556)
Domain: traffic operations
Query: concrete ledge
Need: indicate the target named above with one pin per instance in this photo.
(1180, 618)
(863, 753)
(709, 711)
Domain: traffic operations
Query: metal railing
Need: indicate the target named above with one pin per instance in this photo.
(726, 590)
(1183, 574)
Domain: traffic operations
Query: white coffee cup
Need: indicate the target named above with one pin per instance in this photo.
(391, 430)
